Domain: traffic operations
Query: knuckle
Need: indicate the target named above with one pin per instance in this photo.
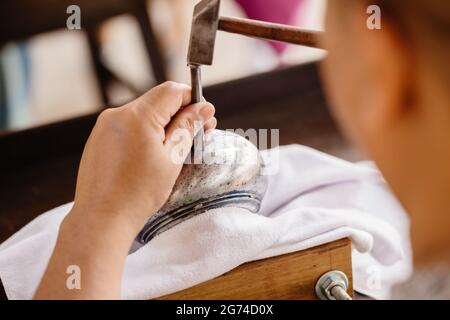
(169, 86)
(187, 123)
(152, 116)
(209, 106)
(113, 119)
(212, 121)
(105, 116)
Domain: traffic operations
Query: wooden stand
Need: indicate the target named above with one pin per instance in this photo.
(291, 276)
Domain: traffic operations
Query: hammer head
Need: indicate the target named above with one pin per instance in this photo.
(203, 32)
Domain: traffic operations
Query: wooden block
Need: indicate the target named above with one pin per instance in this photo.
(291, 276)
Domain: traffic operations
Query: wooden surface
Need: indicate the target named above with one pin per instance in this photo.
(2, 292)
(288, 277)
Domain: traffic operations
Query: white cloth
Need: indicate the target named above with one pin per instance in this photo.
(312, 199)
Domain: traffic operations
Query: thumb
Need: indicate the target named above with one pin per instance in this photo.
(186, 124)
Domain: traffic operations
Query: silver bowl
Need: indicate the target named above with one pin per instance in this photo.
(230, 175)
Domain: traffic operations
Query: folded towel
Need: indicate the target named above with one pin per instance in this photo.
(312, 199)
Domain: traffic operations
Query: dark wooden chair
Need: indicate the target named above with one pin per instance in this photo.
(22, 19)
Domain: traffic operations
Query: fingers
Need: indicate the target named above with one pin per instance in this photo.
(188, 122)
(165, 100)
(210, 125)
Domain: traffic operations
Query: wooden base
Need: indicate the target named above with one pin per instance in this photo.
(291, 276)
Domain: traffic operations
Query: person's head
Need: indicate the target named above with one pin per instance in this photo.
(389, 90)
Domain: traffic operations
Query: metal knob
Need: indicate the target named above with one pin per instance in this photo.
(333, 285)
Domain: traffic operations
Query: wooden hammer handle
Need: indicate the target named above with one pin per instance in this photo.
(271, 31)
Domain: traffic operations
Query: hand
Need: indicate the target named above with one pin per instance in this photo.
(126, 173)
(127, 168)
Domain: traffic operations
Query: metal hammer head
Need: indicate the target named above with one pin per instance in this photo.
(203, 32)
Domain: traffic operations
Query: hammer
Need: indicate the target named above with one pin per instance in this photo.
(206, 22)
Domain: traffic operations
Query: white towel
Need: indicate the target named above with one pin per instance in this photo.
(312, 199)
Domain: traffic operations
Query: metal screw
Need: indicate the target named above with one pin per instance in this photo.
(333, 285)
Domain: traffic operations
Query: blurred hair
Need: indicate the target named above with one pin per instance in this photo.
(425, 25)
(430, 15)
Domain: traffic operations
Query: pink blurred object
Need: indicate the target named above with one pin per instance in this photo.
(278, 11)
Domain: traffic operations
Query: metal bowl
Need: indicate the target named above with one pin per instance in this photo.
(230, 175)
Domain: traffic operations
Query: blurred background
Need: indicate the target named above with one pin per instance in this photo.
(61, 73)
(49, 73)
